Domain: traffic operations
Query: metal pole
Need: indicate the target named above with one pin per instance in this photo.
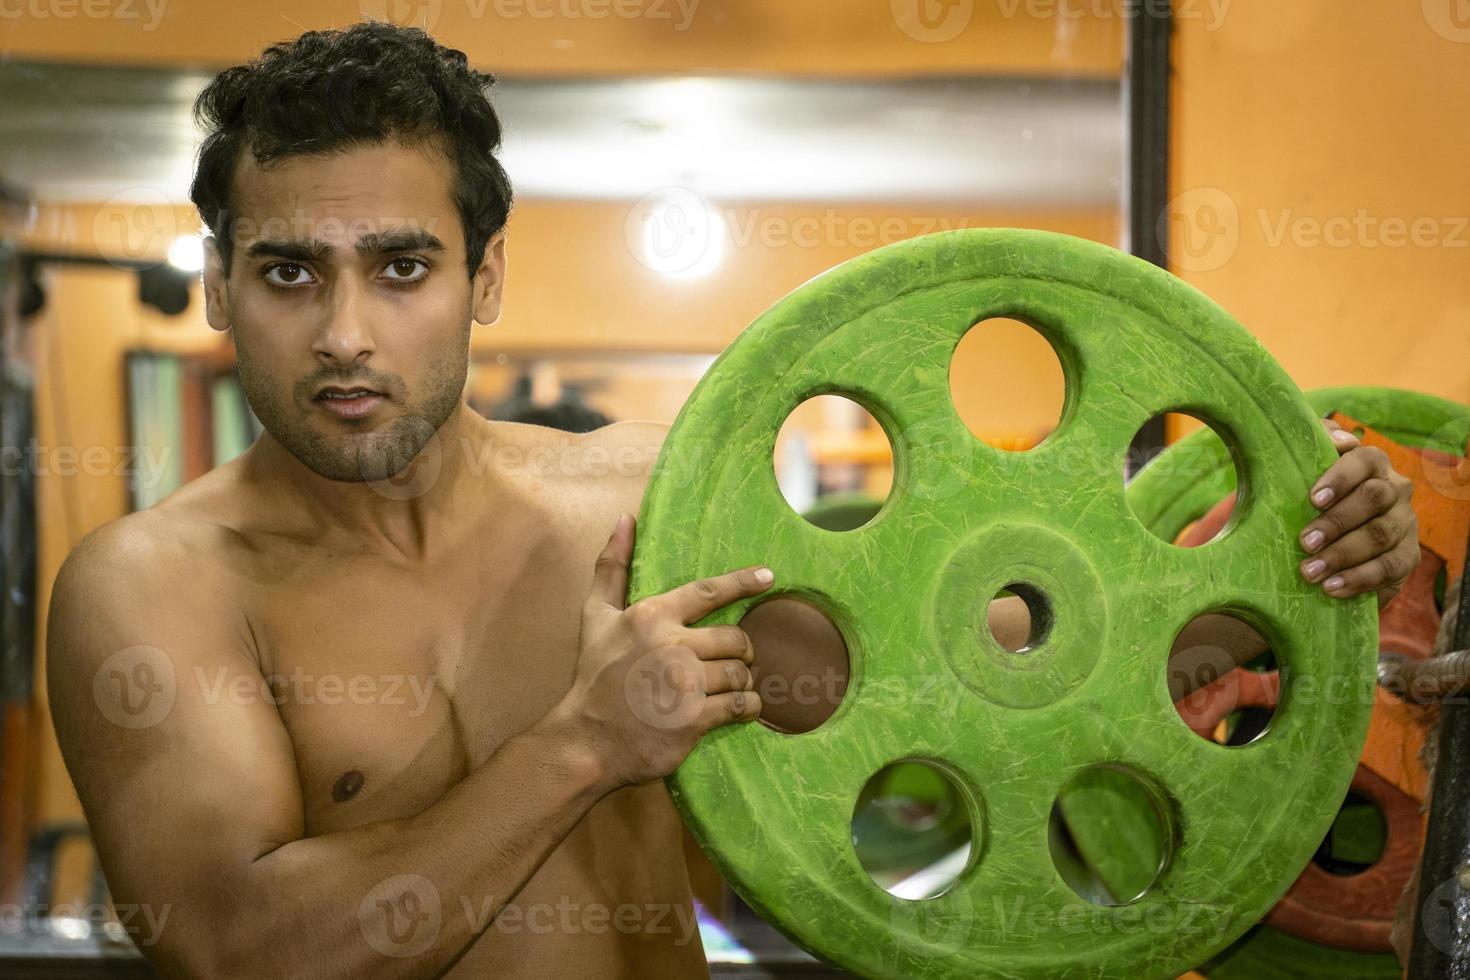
(1441, 949)
(1146, 92)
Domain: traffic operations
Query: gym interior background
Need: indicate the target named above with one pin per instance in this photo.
(678, 168)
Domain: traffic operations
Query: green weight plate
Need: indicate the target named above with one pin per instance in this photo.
(1116, 833)
(910, 589)
(1182, 483)
(1268, 954)
(1180, 486)
(1358, 834)
(843, 511)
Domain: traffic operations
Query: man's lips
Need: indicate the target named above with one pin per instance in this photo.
(353, 406)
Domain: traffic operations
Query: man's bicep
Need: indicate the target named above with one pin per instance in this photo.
(178, 755)
(633, 445)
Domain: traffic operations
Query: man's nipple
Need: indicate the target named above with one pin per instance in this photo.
(347, 786)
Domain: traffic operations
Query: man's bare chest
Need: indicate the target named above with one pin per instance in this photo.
(394, 686)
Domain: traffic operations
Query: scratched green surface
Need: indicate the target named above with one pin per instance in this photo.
(1268, 954)
(774, 811)
(1180, 486)
(1191, 476)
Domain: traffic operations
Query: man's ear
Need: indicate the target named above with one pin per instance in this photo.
(490, 280)
(216, 287)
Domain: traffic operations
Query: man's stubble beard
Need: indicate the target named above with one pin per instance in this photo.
(364, 456)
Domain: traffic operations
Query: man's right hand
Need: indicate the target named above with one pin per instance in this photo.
(648, 685)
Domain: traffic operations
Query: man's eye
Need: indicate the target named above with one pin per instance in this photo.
(407, 269)
(286, 274)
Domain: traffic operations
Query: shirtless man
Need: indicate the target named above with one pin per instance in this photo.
(363, 701)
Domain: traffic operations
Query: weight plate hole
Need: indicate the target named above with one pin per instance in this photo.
(1192, 467)
(1357, 838)
(1007, 383)
(1220, 701)
(801, 664)
(911, 829)
(833, 462)
(1109, 837)
(1019, 617)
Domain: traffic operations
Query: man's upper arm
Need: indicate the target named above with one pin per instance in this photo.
(181, 762)
(631, 448)
(634, 445)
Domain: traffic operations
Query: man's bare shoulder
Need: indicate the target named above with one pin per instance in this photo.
(144, 582)
(634, 444)
(589, 478)
(173, 555)
(144, 553)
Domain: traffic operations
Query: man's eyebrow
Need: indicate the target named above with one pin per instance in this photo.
(308, 250)
(407, 240)
(373, 243)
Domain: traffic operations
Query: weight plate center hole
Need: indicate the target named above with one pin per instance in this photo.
(1019, 617)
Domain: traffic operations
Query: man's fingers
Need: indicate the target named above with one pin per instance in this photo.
(1381, 539)
(1367, 577)
(718, 642)
(721, 676)
(1371, 498)
(723, 709)
(610, 575)
(695, 600)
(1351, 469)
(1342, 439)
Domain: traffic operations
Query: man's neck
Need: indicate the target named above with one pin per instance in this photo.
(412, 517)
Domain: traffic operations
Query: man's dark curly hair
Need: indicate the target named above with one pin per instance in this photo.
(329, 91)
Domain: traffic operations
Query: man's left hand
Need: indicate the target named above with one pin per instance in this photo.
(1367, 538)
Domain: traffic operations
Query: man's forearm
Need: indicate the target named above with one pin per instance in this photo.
(1208, 648)
(406, 898)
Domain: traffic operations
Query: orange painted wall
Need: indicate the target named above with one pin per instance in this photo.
(607, 37)
(1312, 139)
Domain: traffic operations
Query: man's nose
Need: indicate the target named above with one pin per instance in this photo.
(345, 333)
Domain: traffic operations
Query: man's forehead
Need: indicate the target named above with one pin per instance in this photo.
(342, 197)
